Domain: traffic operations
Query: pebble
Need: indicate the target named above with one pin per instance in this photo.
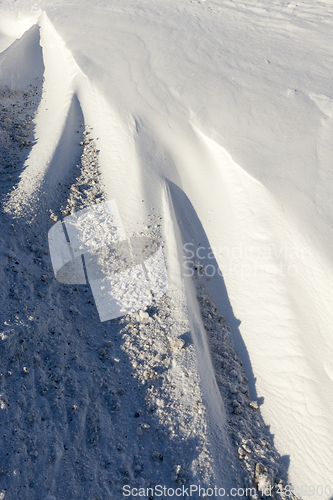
(254, 405)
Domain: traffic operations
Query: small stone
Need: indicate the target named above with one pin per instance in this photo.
(149, 374)
(53, 217)
(254, 405)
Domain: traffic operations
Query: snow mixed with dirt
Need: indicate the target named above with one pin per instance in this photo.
(209, 123)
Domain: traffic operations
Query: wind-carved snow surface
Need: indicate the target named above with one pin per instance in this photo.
(146, 113)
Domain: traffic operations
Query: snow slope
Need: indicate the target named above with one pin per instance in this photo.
(217, 118)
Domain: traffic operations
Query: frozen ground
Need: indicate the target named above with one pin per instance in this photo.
(210, 124)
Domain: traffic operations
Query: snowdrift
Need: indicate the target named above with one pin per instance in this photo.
(210, 125)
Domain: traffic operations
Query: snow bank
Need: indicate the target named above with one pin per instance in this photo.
(231, 103)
